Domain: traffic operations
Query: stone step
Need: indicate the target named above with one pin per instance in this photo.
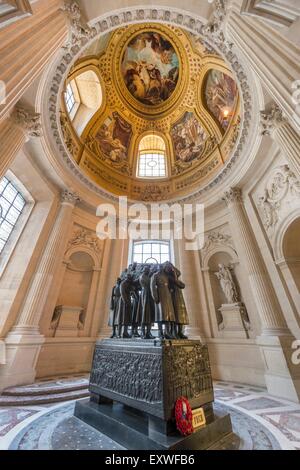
(43, 389)
(21, 400)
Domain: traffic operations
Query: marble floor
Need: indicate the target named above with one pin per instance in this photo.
(259, 422)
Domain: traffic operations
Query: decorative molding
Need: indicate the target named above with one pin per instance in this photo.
(70, 197)
(83, 237)
(28, 120)
(233, 195)
(272, 11)
(269, 210)
(153, 192)
(123, 18)
(282, 183)
(217, 238)
(214, 27)
(270, 119)
(80, 33)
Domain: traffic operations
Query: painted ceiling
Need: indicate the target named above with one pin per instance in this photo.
(155, 79)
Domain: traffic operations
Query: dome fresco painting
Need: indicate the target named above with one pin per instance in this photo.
(145, 92)
(220, 95)
(114, 137)
(150, 68)
(149, 228)
(188, 138)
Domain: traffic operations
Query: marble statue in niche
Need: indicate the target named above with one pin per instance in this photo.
(227, 284)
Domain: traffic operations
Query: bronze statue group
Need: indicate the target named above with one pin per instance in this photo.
(145, 294)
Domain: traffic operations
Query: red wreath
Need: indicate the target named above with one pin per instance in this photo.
(184, 416)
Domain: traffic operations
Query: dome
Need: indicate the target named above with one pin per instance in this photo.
(150, 112)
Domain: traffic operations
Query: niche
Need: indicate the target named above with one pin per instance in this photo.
(70, 312)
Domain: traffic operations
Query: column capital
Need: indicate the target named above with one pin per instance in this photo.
(79, 31)
(28, 120)
(69, 197)
(214, 27)
(270, 119)
(233, 195)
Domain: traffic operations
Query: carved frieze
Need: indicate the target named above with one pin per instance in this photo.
(217, 238)
(283, 186)
(83, 237)
(151, 192)
(151, 376)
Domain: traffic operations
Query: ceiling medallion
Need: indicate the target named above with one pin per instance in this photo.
(151, 61)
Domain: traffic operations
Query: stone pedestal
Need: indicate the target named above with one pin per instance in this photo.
(66, 321)
(134, 385)
(235, 324)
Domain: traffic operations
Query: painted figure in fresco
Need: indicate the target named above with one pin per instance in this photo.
(164, 310)
(188, 138)
(147, 304)
(114, 315)
(150, 68)
(227, 283)
(114, 138)
(221, 93)
(176, 286)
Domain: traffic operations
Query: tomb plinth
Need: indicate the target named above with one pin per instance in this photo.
(134, 386)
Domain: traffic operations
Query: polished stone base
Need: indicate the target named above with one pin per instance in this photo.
(136, 430)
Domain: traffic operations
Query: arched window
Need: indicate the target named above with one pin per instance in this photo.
(12, 204)
(83, 98)
(151, 251)
(70, 98)
(152, 157)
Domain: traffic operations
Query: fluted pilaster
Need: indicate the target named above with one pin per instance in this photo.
(274, 58)
(271, 317)
(275, 124)
(26, 49)
(50, 260)
(189, 265)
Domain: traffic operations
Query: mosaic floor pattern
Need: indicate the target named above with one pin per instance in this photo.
(259, 421)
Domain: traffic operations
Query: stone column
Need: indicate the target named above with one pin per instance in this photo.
(27, 46)
(275, 59)
(14, 132)
(282, 132)
(282, 377)
(191, 275)
(24, 341)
